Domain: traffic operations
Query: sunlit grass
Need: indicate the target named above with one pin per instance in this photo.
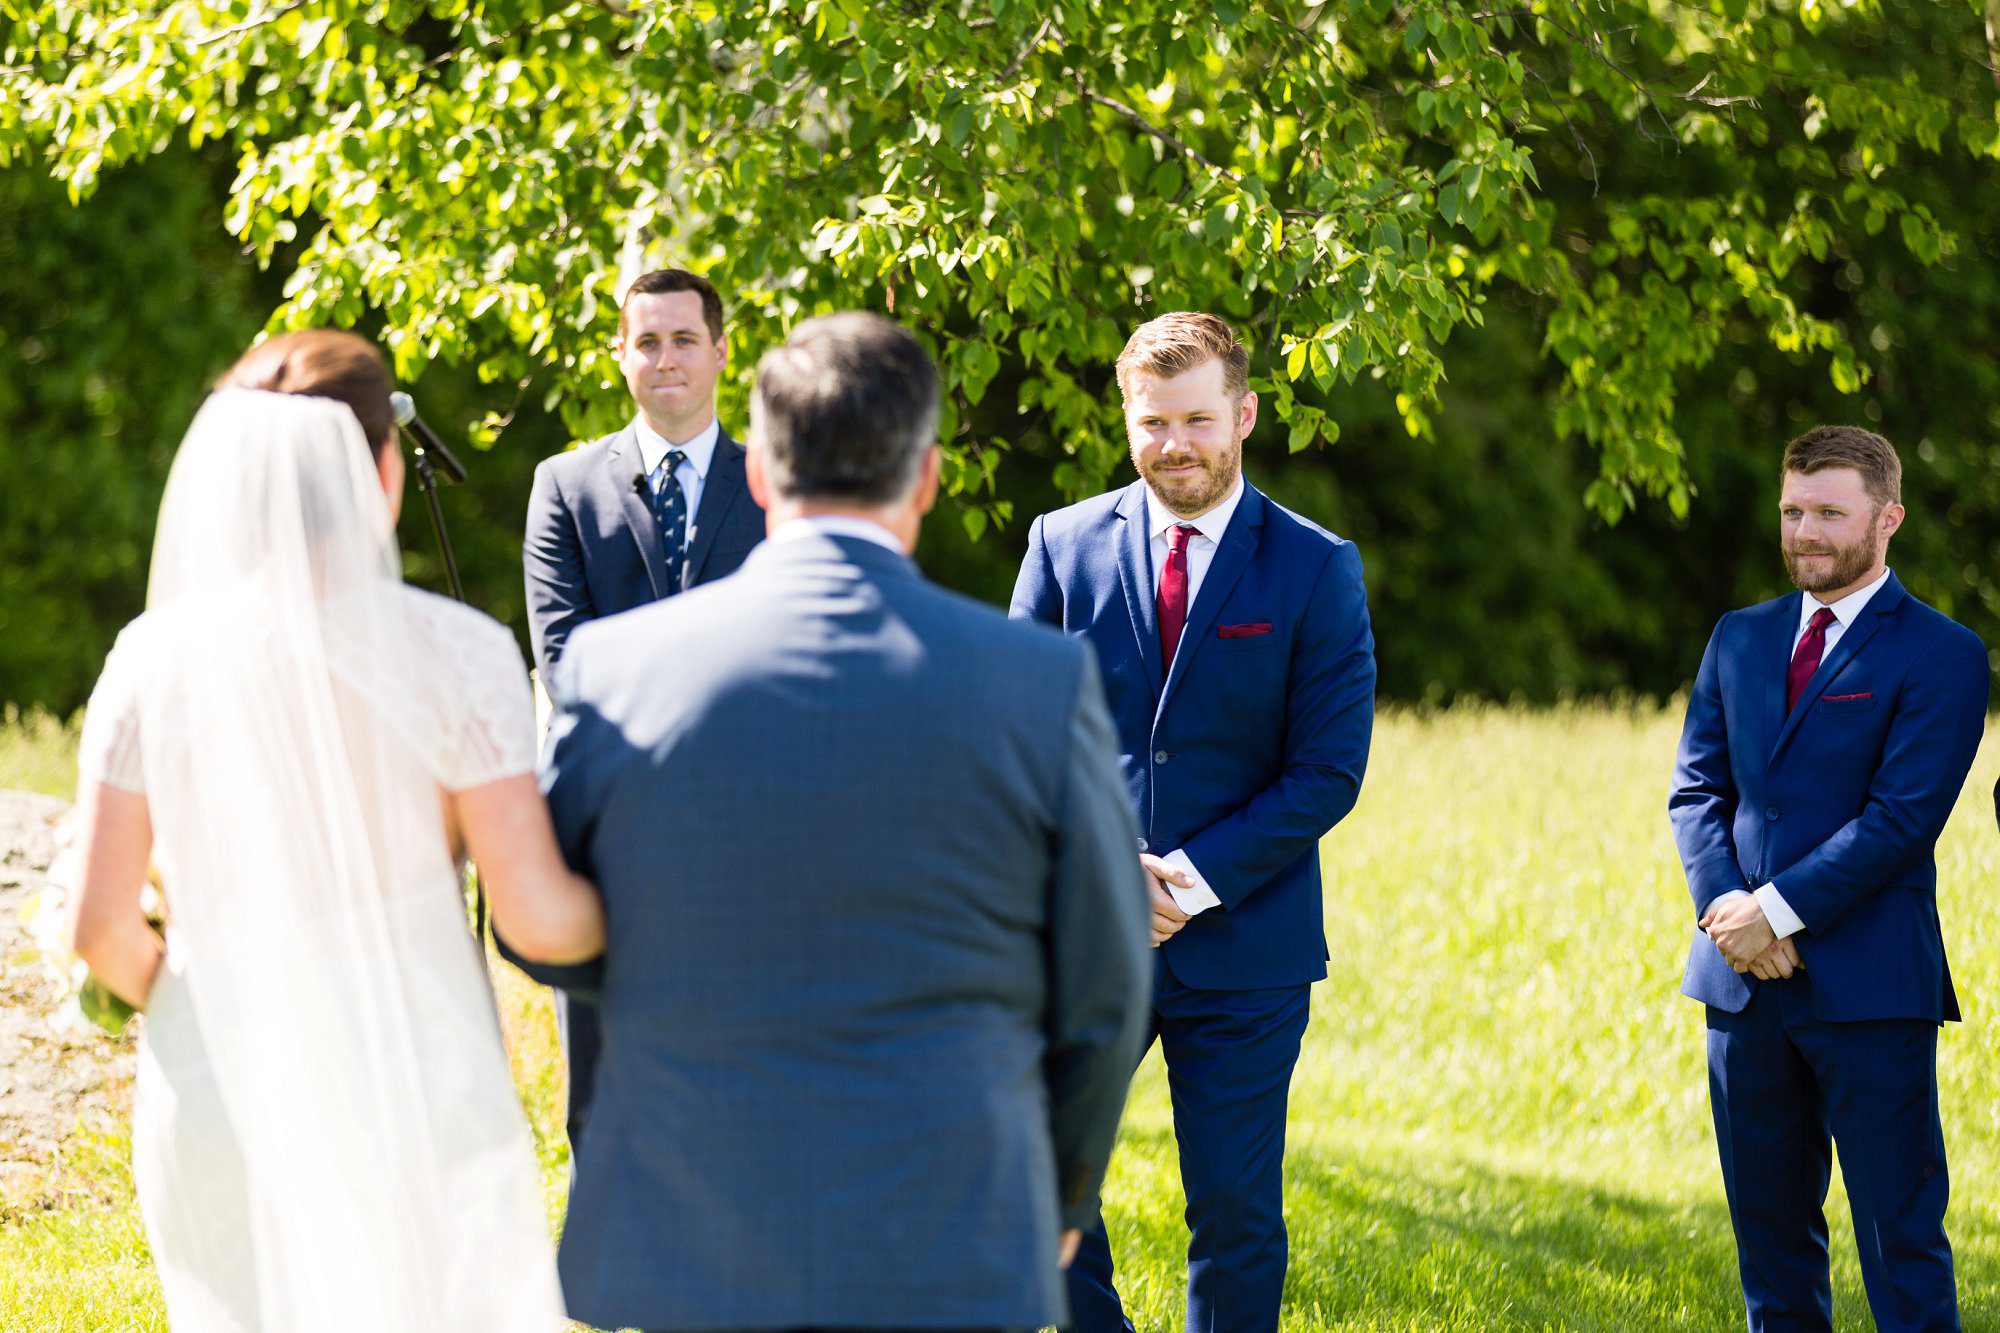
(1500, 1117)
(37, 752)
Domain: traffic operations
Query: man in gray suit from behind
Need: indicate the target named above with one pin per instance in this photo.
(878, 967)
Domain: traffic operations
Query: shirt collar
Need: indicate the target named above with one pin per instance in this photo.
(835, 525)
(700, 450)
(1211, 525)
(1844, 610)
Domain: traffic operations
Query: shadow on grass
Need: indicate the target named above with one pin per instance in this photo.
(1407, 1242)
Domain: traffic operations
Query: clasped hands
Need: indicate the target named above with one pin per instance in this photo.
(1168, 917)
(1742, 934)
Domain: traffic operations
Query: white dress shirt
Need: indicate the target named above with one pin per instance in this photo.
(835, 525)
(1784, 921)
(693, 471)
(1200, 549)
(1209, 528)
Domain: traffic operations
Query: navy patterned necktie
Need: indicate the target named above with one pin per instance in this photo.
(670, 507)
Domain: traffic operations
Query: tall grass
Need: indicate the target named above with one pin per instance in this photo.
(38, 752)
(1500, 1116)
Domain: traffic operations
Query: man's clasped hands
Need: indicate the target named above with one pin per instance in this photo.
(1739, 930)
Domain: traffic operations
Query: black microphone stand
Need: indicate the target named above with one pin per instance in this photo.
(427, 483)
(424, 447)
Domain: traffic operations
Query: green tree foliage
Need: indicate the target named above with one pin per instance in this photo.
(1648, 240)
(111, 322)
(1352, 179)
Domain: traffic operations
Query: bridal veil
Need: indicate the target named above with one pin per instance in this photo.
(326, 1136)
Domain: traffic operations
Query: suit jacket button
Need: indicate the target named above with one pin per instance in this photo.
(1771, 812)
(1142, 844)
(1159, 756)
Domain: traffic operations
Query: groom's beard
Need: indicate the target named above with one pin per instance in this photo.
(1193, 495)
(1849, 563)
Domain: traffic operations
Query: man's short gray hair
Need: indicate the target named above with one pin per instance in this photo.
(844, 410)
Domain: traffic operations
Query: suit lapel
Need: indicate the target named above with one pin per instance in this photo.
(1232, 557)
(718, 491)
(1852, 640)
(1776, 661)
(1135, 572)
(623, 463)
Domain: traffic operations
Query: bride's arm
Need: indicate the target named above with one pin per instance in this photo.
(110, 932)
(544, 911)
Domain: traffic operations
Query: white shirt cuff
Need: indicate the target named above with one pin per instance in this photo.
(1196, 900)
(1784, 921)
(1721, 898)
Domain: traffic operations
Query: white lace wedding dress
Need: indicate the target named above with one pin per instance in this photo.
(325, 1134)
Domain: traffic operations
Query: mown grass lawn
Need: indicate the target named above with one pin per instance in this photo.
(1500, 1120)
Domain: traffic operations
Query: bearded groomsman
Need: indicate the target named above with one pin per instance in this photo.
(1234, 640)
(1827, 737)
(637, 516)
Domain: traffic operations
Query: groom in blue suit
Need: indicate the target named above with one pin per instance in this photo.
(638, 516)
(1827, 737)
(1234, 640)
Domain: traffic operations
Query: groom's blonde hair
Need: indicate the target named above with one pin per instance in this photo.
(1175, 344)
(1866, 452)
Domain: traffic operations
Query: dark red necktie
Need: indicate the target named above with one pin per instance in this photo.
(1805, 657)
(1173, 600)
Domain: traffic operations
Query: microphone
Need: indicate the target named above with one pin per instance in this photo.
(639, 486)
(404, 408)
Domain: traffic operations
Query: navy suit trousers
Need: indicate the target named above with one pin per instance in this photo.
(581, 1032)
(1229, 1058)
(1785, 1087)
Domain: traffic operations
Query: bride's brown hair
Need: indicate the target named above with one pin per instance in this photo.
(322, 363)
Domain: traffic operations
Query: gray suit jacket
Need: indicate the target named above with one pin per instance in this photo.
(592, 546)
(878, 968)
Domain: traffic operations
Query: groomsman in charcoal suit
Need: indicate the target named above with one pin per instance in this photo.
(876, 971)
(638, 516)
(1827, 737)
(1234, 639)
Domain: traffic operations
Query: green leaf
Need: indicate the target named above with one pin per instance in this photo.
(311, 33)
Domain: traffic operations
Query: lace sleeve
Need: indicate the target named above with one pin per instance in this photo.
(491, 734)
(109, 750)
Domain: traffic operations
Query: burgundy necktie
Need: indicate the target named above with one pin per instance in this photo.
(1173, 601)
(1805, 657)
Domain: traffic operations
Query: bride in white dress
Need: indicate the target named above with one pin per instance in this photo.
(325, 1136)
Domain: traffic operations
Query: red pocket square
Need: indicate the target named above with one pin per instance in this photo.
(1250, 631)
(1845, 698)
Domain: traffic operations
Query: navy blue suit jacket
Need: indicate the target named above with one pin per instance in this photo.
(877, 974)
(1252, 746)
(593, 546)
(1839, 803)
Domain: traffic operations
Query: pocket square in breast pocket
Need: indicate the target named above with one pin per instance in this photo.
(1249, 631)
(1846, 698)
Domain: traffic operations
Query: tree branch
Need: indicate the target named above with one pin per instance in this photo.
(1589, 158)
(1014, 65)
(1596, 49)
(1993, 36)
(248, 25)
(1139, 122)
